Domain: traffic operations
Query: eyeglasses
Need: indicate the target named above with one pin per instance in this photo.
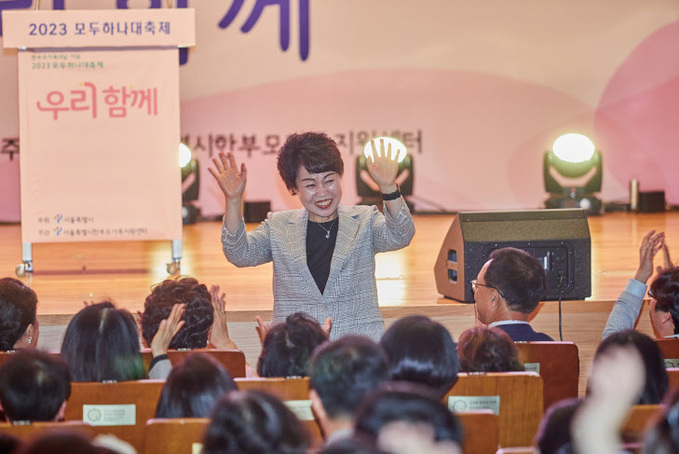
(475, 287)
(651, 295)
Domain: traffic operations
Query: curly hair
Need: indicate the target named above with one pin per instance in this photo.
(18, 306)
(665, 290)
(198, 315)
(316, 151)
(487, 350)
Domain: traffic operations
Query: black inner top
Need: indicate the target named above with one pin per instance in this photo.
(319, 249)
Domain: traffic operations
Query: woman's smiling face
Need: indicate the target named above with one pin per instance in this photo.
(320, 193)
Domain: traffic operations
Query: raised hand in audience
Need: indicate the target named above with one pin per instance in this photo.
(650, 246)
(219, 333)
(668, 261)
(167, 330)
(615, 384)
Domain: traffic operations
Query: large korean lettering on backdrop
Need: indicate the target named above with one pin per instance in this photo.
(99, 123)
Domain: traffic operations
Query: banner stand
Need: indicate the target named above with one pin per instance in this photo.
(99, 125)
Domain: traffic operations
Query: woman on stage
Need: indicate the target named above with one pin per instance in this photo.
(323, 254)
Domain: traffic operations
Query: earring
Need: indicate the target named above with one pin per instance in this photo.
(30, 340)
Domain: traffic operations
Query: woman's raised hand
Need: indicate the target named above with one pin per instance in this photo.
(383, 166)
(231, 179)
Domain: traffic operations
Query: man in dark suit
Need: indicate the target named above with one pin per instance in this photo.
(508, 288)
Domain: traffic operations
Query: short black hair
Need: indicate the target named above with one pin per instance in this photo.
(421, 350)
(554, 434)
(657, 382)
(409, 403)
(193, 388)
(519, 278)
(316, 151)
(33, 386)
(254, 422)
(665, 290)
(487, 350)
(102, 343)
(288, 346)
(342, 372)
(18, 306)
(198, 313)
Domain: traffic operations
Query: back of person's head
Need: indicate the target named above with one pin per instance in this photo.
(61, 442)
(254, 422)
(316, 151)
(554, 433)
(665, 290)
(198, 314)
(487, 350)
(410, 404)
(663, 436)
(193, 388)
(18, 305)
(656, 383)
(288, 346)
(33, 386)
(343, 371)
(101, 344)
(351, 445)
(421, 350)
(518, 277)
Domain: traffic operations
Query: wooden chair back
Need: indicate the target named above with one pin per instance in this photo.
(232, 360)
(670, 351)
(515, 396)
(295, 393)
(673, 377)
(28, 432)
(557, 363)
(481, 431)
(124, 407)
(517, 450)
(640, 416)
(174, 435)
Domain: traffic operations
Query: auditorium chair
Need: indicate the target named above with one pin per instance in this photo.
(640, 416)
(120, 408)
(557, 363)
(232, 360)
(481, 434)
(517, 394)
(670, 351)
(673, 377)
(295, 393)
(28, 432)
(181, 435)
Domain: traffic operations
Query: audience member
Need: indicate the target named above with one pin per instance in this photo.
(656, 382)
(404, 418)
(61, 442)
(664, 292)
(487, 350)
(193, 388)
(18, 320)
(102, 343)
(507, 290)
(10, 444)
(421, 350)
(288, 346)
(351, 445)
(663, 436)
(198, 312)
(341, 373)
(554, 433)
(254, 422)
(34, 386)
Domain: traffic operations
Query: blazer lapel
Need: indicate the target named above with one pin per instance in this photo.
(346, 235)
(298, 225)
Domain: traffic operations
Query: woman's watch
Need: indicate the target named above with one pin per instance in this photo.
(392, 195)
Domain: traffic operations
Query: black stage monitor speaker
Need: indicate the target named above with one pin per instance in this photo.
(559, 239)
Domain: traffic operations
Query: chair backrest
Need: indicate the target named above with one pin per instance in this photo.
(120, 409)
(174, 435)
(557, 363)
(295, 393)
(232, 360)
(481, 431)
(673, 377)
(517, 450)
(670, 351)
(27, 432)
(638, 419)
(515, 396)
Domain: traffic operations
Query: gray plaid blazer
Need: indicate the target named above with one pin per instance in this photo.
(350, 296)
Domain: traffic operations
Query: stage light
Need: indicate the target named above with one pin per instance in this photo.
(367, 189)
(184, 155)
(190, 184)
(572, 173)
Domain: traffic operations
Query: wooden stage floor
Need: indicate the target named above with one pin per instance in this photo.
(67, 274)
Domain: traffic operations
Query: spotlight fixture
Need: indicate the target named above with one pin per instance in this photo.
(190, 184)
(572, 172)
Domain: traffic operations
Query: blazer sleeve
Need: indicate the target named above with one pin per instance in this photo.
(247, 249)
(392, 233)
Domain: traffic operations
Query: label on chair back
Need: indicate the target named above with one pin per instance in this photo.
(532, 367)
(671, 362)
(471, 403)
(301, 409)
(110, 415)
